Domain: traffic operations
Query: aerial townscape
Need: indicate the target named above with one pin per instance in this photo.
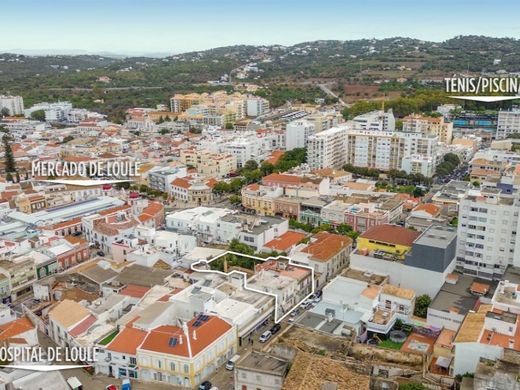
(318, 216)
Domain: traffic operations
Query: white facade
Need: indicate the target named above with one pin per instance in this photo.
(375, 120)
(327, 149)
(508, 123)
(256, 106)
(14, 104)
(297, 133)
(486, 233)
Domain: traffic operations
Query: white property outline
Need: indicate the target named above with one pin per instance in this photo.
(276, 320)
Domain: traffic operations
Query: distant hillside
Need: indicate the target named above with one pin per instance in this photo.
(345, 65)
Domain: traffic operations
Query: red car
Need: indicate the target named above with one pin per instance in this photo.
(111, 387)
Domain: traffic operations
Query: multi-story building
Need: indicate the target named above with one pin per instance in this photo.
(508, 123)
(375, 120)
(327, 148)
(54, 112)
(327, 253)
(185, 356)
(161, 179)
(13, 104)
(297, 133)
(257, 106)
(487, 230)
(209, 163)
(260, 198)
(429, 125)
(188, 192)
(258, 370)
(386, 150)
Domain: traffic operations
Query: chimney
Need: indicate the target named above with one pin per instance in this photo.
(180, 339)
(194, 335)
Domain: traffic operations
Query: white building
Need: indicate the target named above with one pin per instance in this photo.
(508, 123)
(54, 112)
(256, 106)
(327, 148)
(377, 120)
(487, 229)
(297, 133)
(199, 221)
(14, 104)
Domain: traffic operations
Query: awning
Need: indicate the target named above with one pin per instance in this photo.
(443, 362)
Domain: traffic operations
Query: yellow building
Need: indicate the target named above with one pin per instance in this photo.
(254, 197)
(189, 355)
(209, 163)
(384, 240)
(429, 125)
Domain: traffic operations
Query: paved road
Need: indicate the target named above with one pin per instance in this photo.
(327, 90)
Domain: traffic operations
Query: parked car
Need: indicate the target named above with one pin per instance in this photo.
(111, 387)
(275, 329)
(230, 365)
(265, 336)
(206, 385)
(100, 253)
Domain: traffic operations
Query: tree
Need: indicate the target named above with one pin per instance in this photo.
(235, 199)
(229, 126)
(10, 165)
(4, 111)
(251, 165)
(421, 305)
(164, 131)
(38, 115)
(237, 246)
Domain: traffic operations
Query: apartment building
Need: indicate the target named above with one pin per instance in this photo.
(508, 123)
(436, 126)
(160, 179)
(377, 120)
(326, 253)
(385, 150)
(487, 230)
(327, 148)
(209, 163)
(297, 133)
(257, 106)
(13, 105)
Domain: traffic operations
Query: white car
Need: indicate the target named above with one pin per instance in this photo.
(265, 336)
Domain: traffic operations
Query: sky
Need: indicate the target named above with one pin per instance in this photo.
(172, 26)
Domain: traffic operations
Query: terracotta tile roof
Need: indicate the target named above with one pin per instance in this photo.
(75, 240)
(127, 341)
(326, 245)
(285, 241)
(281, 179)
(391, 234)
(181, 182)
(135, 291)
(479, 288)
(70, 222)
(274, 157)
(13, 328)
(114, 209)
(158, 340)
(430, 208)
(83, 326)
